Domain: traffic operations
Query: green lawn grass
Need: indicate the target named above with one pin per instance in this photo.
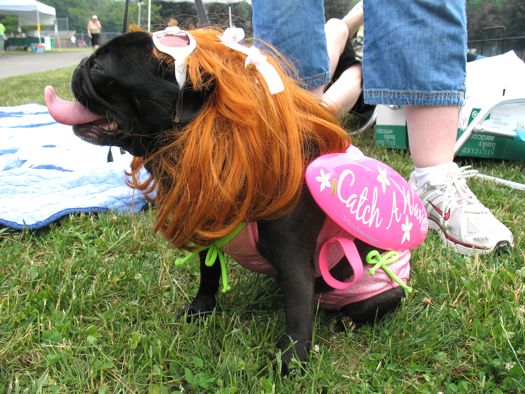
(89, 305)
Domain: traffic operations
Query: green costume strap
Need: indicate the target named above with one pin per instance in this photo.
(382, 261)
(214, 252)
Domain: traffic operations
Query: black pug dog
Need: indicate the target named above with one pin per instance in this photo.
(133, 99)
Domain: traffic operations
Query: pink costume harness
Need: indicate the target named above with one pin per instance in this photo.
(243, 249)
(362, 198)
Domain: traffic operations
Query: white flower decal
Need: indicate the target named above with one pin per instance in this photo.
(382, 178)
(406, 227)
(324, 179)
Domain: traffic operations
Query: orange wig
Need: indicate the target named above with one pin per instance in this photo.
(243, 157)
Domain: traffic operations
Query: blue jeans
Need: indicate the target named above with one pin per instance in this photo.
(415, 52)
(296, 29)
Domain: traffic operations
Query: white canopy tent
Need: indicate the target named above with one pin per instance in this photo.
(30, 12)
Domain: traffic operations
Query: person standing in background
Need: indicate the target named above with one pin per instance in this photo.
(94, 28)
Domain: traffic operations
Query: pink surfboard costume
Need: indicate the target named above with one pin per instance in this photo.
(363, 198)
(243, 249)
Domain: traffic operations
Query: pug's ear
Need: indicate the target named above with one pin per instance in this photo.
(190, 102)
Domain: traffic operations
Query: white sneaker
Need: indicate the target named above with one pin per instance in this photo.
(463, 223)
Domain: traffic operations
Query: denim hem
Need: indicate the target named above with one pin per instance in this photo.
(315, 81)
(447, 98)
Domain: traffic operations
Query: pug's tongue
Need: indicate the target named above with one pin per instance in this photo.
(67, 112)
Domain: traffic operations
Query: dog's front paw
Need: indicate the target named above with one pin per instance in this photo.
(292, 352)
(201, 306)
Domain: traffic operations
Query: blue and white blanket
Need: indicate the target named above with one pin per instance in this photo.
(47, 172)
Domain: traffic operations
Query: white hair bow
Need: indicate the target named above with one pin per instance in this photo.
(179, 44)
(231, 38)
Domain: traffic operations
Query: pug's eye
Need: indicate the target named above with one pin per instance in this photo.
(97, 65)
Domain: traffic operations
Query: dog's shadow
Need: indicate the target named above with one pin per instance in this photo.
(255, 296)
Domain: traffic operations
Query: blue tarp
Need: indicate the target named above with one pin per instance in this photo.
(47, 172)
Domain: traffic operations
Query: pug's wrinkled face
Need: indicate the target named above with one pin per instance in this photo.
(126, 97)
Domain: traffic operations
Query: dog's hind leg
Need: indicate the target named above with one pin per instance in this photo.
(205, 300)
(369, 310)
(375, 308)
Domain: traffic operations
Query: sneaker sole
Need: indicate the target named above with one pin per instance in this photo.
(465, 249)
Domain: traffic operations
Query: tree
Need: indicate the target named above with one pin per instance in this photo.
(186, 14)
(514, 16)
(10, 23)
(110, 13)
(488, 13)
(482, 14)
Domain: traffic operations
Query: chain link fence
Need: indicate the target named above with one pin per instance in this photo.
(494, 42)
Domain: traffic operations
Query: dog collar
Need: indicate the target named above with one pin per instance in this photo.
(179, 44)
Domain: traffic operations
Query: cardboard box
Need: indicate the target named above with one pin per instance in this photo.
(391, 132)
(391, 129)
(488, 82)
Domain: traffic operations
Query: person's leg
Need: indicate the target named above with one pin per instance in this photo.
(415, 55)
(438, 125)
(354, 19)
(96, 41)
(339, 31)
(296, 29)
(282, 25)
(405, 64)
(336, 34)
(344, 92)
